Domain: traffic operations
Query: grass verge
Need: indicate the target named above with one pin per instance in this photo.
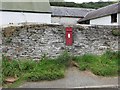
(103, 65)
(29, 70)
(51, 69)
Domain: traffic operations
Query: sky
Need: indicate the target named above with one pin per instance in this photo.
(81, 1)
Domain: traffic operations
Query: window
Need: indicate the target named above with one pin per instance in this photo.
(85, 22)
(113, 18)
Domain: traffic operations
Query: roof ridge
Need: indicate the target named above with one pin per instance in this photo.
(107, 10)
(71, 7)
(106, 6)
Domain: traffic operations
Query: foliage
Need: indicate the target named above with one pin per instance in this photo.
(64, 58)
(93, 5)
(46, 70)
(56, 0)
(85, 61)
(8, 40)
(1, 79)
(9, 31)
(15, 68)
(116, 32)
(51, 69)
(104, 65)
(1, 70)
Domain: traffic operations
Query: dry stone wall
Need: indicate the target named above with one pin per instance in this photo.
(33, 41)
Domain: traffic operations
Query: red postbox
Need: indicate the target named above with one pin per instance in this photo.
(69, 38)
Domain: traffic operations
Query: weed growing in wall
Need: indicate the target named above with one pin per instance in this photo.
(116, 32)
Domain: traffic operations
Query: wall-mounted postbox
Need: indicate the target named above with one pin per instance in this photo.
(69, 38)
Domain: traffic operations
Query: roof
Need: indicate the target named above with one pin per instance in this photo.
(28, 5)
(69, 11)
(104, 11)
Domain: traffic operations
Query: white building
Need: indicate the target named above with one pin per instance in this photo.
(109, 15)
(22, 12)
(68, 15)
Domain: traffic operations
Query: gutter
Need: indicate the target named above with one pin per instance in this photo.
(26, 11)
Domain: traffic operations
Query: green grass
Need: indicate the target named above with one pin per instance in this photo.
(51, 69)
(15, 68)
(0, 78)
(46, 70)
(64, 59)
(0, 70)
(103, 65)
(29, 70)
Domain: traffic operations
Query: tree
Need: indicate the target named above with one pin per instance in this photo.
(93, 5)
(56, 0)
(100, 1)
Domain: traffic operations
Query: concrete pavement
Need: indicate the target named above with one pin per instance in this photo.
(75, 78)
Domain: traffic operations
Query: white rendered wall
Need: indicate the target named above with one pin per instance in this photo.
(118, 18)
(20, 17)
(103, 21)
(65, 20)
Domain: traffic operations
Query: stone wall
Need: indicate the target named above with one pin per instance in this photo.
(33, 41)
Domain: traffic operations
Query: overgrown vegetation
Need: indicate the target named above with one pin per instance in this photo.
(51, 69)
(93, 5)
(0, 70)
(29, 70)
(116, 32)
(104, 65)
(9, 31)
(46, 70)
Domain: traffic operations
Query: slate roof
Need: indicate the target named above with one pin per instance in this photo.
(69, 11)
(104, 11)
(26, 5)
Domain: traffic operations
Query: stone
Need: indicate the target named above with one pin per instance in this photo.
(33, 41)
(11, 79)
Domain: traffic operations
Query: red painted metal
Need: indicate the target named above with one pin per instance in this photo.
(69, 37)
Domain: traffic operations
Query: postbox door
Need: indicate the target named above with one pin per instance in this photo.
(69, 37)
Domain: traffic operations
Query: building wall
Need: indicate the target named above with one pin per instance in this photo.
(64, 20)
(20, 17)
(103, 21)
(118, 18)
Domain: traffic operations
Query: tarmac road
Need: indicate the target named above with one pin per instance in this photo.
(75, 78)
